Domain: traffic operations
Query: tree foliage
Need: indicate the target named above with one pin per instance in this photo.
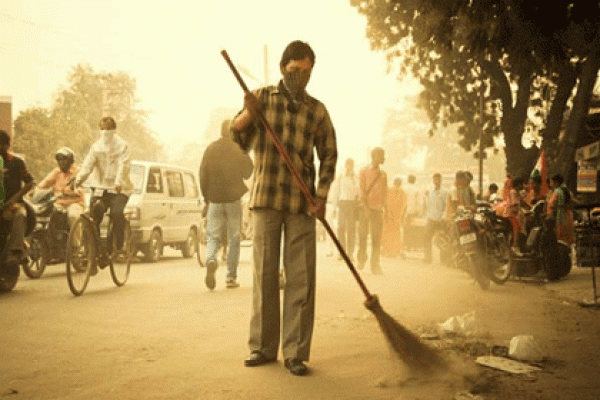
(73, 120)
(514, 54)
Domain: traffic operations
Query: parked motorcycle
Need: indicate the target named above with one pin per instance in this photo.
(48, 242)
(464, 246)
(495, 232)
(540, 250)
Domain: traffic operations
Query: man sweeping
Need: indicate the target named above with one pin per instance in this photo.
(280, 209)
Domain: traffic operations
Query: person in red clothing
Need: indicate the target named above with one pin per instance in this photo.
(373, 198)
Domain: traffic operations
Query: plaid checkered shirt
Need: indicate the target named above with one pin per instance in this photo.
(300, 133)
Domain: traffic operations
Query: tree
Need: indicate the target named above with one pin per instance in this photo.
(34, 133)
(506, 51)
(73, 119)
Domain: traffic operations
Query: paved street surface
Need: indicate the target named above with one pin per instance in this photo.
(164, 335)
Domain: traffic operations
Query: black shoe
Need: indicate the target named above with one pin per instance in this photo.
(257, 358)
(211, 268)
(296, 366)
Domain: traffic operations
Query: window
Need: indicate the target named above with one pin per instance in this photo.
(191, 189)
(175, 183)
(154, 181)
(136, 174)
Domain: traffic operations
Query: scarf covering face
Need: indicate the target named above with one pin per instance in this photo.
(296, 82)
(107, 136)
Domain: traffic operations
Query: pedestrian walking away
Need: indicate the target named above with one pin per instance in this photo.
(391, 237)
(345, 200)
(223, 168)
(414, 210)
(373, 199)
(281, 211)
(435, 210)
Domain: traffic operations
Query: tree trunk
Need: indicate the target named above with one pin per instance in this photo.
(576, 125)
(566, 82)
(519, 160)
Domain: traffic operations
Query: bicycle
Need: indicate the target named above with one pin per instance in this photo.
(87, 248)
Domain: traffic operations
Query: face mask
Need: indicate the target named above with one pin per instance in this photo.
(107, 135)
(296, 81)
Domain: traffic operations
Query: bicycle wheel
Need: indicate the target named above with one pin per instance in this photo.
(81, 255)
(37, 255)
(120, 261)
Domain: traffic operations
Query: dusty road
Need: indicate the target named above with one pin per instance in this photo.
(165, 336)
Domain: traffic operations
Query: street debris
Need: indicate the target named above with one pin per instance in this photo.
(466, 396)
(589, 303)
(505, 364)
(525, 348)
(459, 325)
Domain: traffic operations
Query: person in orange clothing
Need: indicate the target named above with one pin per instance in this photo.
(59, 179)
(391, 237)
(535, 189)
(373, 199)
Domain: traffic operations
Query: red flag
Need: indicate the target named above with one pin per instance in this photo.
(542, 168)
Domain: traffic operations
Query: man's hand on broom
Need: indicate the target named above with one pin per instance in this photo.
(317, 210)
(251, 103)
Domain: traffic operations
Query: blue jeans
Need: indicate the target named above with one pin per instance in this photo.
(221, 215)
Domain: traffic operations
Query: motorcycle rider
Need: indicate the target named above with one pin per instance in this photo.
(59, 179)
(16, 182)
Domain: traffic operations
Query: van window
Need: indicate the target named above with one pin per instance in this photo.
(154, 181)
(136, 174)
(175, 183)
(191, 189)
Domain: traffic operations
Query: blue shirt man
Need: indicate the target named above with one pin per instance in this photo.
(436, 203)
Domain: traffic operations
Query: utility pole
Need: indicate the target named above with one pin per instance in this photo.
(481, 141)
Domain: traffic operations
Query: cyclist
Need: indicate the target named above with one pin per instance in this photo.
(108, 159)
(59, 179)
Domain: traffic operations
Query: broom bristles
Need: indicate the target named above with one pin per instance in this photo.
(415, 354)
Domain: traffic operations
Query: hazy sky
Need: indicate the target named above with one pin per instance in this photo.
(172, 50)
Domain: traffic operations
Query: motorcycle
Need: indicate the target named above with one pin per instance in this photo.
(539, 250)
(464, 246)
(495, 232)
(10, 271)
(47, 243)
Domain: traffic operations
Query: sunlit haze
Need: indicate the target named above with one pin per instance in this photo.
(172, 49)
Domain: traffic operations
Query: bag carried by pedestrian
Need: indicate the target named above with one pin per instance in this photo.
(364, 208)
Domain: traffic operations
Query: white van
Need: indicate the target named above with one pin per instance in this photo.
(164, 209)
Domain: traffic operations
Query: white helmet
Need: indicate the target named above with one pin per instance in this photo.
(65, 153)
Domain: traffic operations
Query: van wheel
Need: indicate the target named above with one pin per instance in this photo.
(154, 247)
(191, 244)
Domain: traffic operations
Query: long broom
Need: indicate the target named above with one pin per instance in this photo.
(406, 345)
